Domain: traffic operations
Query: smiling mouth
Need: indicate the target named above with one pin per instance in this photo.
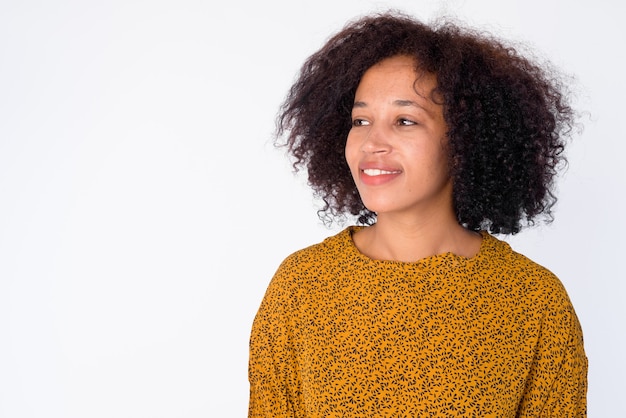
(372, 172)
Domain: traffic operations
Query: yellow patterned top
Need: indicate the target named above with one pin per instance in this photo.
(341, 335)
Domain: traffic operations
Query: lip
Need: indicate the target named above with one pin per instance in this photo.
(376, 174)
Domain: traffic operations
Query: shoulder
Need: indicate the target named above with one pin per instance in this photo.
(537, 290)
(315, 261)
(310, 260)
(499, 256)
(522, 275)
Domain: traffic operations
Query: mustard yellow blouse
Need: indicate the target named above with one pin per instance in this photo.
(341, 335)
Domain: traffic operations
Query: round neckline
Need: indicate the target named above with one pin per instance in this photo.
(433, 259)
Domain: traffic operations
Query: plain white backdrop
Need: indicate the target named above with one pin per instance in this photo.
(143, 209)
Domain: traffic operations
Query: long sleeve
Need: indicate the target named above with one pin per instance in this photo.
(557, 385)
(272, 370)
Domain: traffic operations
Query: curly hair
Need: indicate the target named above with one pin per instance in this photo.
(507, 119)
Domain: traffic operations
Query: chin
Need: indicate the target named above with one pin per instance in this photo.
(379, 207)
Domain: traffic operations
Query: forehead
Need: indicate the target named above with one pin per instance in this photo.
(398, 66)
(395, 62)
(397, 75)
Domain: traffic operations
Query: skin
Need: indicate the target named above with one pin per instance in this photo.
(396, 151)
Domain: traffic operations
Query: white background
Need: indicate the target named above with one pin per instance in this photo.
(143, 209)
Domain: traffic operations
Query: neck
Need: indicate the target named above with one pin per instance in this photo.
(408, 240)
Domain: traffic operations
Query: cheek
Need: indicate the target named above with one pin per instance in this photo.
(351, 154)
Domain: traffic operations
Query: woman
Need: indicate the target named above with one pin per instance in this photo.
(433, 137)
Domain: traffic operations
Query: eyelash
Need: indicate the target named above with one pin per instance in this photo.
(406, 122)
(400, 122)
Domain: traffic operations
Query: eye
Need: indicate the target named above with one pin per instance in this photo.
(406, 122)
(360, 122)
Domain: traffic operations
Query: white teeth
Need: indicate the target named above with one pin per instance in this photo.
(377, 172)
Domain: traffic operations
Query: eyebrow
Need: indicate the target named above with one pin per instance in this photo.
(398, 102)
(407, 103)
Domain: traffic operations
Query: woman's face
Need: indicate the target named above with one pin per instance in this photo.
(396, 148)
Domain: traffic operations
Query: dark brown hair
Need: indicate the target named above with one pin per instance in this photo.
(507, 118)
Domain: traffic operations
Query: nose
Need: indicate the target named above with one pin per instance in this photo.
(376, 141)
